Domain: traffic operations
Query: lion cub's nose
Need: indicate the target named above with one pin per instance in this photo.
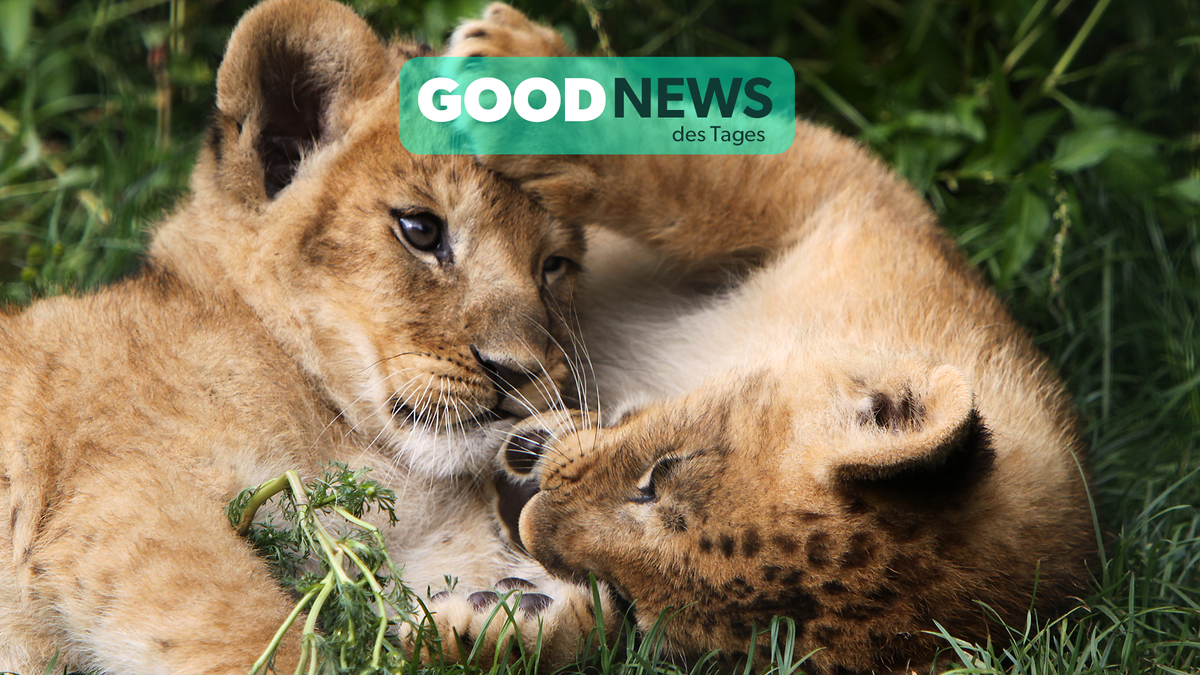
(524, 450)
(505, 372)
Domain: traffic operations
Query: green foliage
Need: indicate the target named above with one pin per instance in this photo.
(1058, 139)
(346, 581)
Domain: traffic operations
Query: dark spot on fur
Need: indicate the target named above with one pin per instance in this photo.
(705, 544)
(478, 32)
(881, 596)
(893, 414)
(741, 630)
(817, 550)
(751, 543)
(795, 603)
(771, 572)
(826, 634)
(727, 545)
(858, 612)
(784, 543)
(164, 645)
(792, 578)
(37, 569)
(833, 587)
(738, 587)
(859, 553)
(26, 554)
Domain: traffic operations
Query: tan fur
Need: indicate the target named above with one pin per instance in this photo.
(280, 322)
(804, 404)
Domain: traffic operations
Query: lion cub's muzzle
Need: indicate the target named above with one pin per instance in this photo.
(447, 390)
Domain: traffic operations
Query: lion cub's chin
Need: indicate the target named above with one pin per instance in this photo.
(446, 453)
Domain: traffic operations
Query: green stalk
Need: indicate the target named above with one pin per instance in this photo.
(308, 635)
(378, 536)
(261, 663)
(1084, 31)
(261, 495)
(377, 591)
(322, 535)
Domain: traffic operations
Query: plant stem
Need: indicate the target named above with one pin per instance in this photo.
(1084, 31)
(261, 663)
(261, 495)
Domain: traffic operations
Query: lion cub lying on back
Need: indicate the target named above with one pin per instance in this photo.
(322, 295)
(852, 432)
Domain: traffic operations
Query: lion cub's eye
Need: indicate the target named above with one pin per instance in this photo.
(647, 491)
(423, 231)
(553, 266)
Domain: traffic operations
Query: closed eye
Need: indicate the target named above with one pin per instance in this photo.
(648, 488)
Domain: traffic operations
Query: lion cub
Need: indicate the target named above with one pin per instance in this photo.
(321, 295)
(805, 404)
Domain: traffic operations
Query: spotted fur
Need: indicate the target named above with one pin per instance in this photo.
(799, 402)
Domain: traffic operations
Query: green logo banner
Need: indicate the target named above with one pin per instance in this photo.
(597, 106)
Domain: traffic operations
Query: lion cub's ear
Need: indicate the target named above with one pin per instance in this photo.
(290, 71)
(912, 427)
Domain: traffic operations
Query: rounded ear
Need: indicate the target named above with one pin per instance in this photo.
(290, 70)
(911, 427)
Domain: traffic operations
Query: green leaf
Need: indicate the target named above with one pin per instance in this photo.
(1087, 146)
(16, 18)
(1026, 221)
(1187, 189)
(1084, 148)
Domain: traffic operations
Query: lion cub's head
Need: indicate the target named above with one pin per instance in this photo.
(862, 497)
(422, 295)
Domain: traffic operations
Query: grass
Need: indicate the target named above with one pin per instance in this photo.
(1058, 139)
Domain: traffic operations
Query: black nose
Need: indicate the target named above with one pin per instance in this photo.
(523, 451)
(505, 374)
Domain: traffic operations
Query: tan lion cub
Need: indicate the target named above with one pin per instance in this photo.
(322, 295)
(809, 407)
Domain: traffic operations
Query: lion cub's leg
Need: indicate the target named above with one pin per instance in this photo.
(707, 213)
(137, 571)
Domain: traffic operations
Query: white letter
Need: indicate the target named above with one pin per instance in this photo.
(553, 99)
(451, 109)
(503, 99)
(576, 85)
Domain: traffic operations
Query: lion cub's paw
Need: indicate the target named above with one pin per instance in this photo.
(504, 31)
(514, 619)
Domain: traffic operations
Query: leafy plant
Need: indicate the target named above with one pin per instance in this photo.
(345, 594)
